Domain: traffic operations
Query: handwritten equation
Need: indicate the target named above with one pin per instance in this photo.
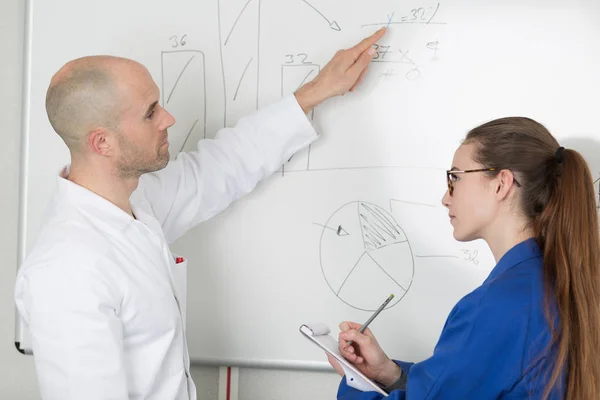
(425, 15)
(404, 61)
(387, 54)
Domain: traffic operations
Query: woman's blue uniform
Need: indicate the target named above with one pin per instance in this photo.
(494, 343)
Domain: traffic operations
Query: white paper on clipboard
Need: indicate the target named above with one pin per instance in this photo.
(319, 335)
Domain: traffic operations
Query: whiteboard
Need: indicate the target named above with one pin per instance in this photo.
(358, 215)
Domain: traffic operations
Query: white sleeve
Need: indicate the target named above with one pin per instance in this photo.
(76, 334)
(198, 185)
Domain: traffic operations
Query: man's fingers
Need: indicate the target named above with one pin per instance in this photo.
(362, 63)
(360, 78)
(366, 43)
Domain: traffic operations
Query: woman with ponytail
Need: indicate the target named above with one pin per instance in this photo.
(532, 329)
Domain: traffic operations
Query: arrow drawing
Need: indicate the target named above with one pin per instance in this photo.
(332, 24)
(339, 231)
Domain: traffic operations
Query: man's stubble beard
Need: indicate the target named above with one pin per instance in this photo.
(133, 164)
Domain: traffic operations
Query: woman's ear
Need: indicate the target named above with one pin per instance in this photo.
(505, 180)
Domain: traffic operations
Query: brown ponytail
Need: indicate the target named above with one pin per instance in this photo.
(557, 197)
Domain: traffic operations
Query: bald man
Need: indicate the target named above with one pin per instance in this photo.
(100, 291)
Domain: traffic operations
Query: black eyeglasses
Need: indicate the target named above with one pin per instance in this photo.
(451, 176)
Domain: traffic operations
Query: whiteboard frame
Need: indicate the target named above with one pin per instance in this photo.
(22, 341)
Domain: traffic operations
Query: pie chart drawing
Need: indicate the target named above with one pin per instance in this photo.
(365, 256)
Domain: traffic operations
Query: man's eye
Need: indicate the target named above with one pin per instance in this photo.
(150, 114)
(453, 177)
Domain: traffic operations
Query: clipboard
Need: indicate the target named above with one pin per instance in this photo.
(319, 335)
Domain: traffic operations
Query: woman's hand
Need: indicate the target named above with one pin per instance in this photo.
(366, 354)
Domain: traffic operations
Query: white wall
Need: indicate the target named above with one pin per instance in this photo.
(17, 373)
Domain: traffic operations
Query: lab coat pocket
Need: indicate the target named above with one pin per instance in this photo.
(180, 283)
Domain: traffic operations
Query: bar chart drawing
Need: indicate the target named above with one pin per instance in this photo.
(239, 27)
(184, 96)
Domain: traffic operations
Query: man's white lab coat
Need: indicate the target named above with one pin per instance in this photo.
(101, 292)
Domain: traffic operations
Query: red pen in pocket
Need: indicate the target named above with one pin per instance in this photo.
(178, 260)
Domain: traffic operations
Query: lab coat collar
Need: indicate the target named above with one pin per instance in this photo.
(72, 194)
(519, 253)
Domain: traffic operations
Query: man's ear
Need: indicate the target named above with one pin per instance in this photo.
(504, 183)
(102, 142)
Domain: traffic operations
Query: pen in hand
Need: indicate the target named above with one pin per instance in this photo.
(366, 324)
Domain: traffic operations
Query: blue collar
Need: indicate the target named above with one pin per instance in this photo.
(519, 253)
